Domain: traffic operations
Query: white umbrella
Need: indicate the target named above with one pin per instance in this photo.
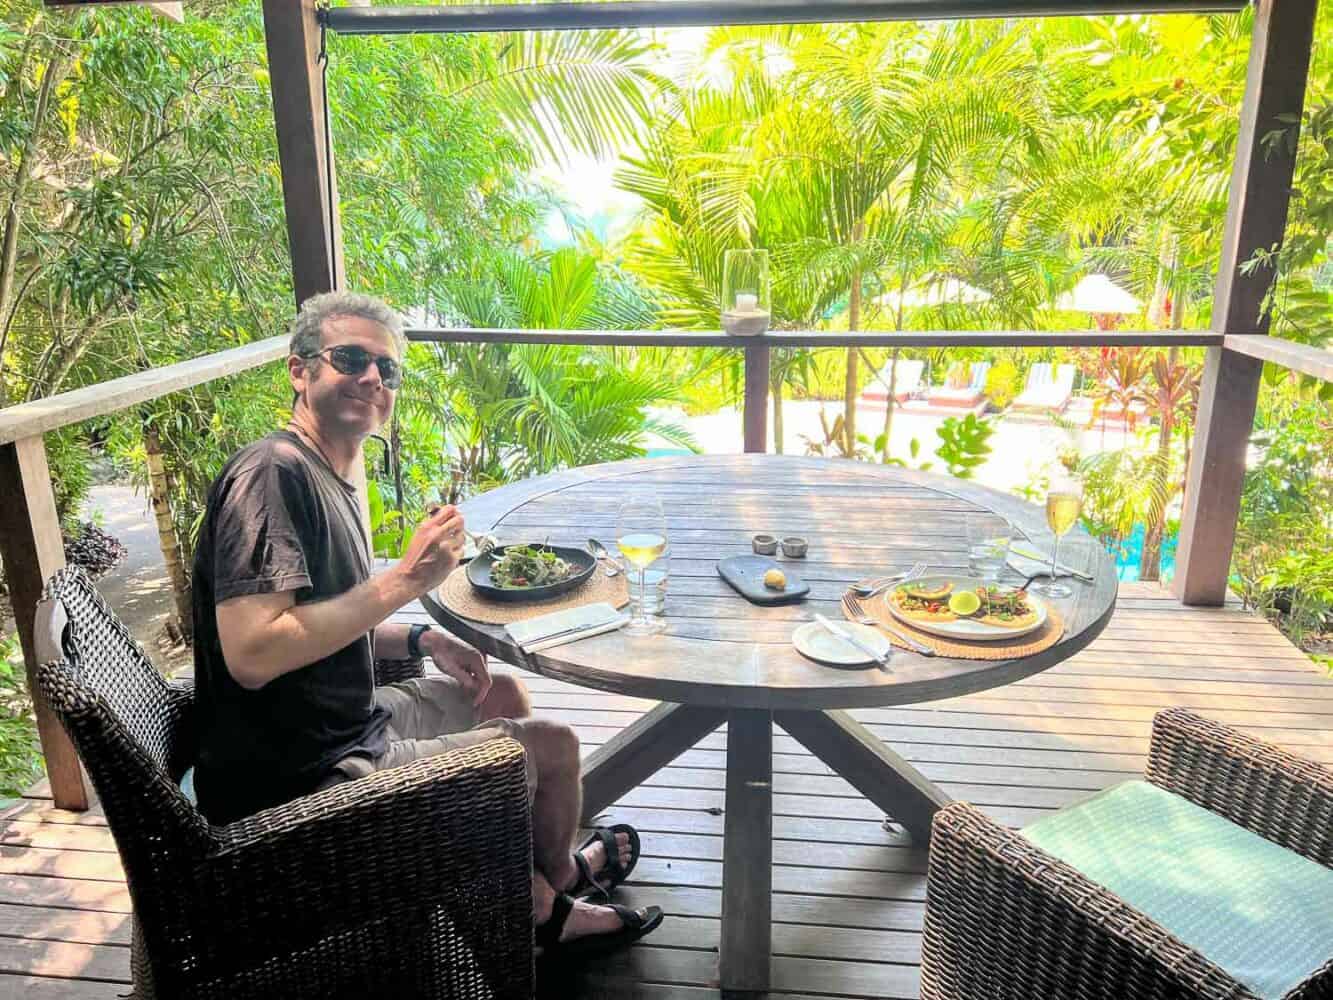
(937, 292)
(1099, 294)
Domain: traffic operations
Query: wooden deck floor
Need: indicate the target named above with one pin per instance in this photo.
(848, 896)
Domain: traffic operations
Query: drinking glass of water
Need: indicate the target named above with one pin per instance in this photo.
(641, 538)
(988, 537)
(655, 578)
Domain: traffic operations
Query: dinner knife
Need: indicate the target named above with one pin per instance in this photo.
(583, 631)
(1046, 561)
(852, 639)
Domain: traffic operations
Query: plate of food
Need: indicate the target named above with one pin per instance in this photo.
(960, 607)
(529, 572)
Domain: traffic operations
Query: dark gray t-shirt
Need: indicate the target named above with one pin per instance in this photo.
(278, 519)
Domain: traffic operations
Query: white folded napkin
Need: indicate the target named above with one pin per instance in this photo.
(570, 625)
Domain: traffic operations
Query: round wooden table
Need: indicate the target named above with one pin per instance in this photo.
(724, 659)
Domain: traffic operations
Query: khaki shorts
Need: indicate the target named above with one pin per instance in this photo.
(428, 716)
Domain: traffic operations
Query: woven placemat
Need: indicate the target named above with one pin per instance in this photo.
(461, 598)
(1034, 642)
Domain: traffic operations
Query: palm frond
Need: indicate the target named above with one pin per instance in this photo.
(571, 91)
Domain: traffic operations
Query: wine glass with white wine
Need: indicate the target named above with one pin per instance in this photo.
(1064, 500)
(641, 538)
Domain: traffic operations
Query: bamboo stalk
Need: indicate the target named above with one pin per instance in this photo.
(167, 538)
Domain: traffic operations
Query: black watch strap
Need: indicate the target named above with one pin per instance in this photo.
(414, 635)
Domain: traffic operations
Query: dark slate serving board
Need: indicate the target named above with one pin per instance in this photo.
(745, 574)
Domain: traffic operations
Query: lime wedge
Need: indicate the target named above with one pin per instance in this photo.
(965, 602)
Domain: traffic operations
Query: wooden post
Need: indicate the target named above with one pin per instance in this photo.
(1256, 218)
(747, 854)
(32, 548)
(305, 151)
(756, 397)
(309, 187)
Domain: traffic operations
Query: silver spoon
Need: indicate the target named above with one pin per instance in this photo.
(599, 552)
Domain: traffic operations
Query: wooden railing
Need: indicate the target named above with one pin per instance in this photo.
(758, 349)
(30, 537)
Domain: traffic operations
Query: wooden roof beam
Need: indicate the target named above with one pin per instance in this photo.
(701, 13)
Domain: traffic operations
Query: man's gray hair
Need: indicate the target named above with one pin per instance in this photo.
(308, 326)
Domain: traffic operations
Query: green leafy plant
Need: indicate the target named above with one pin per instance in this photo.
(964, 444)
(1281, 563)
(1300, 586)
(1002, 383)
(389, 534)
(913, 452)
(20, 751)
(1034, 488)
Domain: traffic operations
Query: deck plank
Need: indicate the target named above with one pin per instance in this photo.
(35, 988)
(848, 895)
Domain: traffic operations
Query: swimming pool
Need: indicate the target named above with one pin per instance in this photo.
(1130, 551)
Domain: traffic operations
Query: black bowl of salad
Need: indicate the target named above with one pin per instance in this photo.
(530, 572)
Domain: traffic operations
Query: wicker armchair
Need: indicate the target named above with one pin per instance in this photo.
(1005, 920)
(392, 671)
(413, 882)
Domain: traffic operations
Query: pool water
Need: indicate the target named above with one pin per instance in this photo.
(1131, 551)
(664, 452)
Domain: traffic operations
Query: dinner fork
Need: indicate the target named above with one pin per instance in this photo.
(484, 542)
(877, 585)
(858, 613)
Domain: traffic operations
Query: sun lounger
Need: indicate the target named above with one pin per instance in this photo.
(1047, 390)
(967, 395)
(905, 386)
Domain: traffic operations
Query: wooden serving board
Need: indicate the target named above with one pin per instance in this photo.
(745, 575)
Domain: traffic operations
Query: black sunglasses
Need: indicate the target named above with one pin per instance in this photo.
(352, 360)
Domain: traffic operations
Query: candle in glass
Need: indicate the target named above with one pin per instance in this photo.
(746, 292)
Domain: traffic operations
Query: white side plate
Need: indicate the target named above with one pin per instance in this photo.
(813, 640)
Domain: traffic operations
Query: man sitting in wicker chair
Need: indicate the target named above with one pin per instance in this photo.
(287, 622)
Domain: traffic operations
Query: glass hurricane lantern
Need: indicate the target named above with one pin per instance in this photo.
(746, 296)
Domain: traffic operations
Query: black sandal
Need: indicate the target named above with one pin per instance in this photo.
(613, 874)
(637, 923)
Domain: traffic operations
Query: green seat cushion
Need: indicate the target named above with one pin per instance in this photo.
(1262, 913)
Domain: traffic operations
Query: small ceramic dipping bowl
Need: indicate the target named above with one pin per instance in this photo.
(764, 545)
(794, 547)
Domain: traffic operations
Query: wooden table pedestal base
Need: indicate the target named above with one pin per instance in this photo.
(842, 743)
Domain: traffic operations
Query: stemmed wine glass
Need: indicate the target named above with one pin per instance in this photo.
(641, 538)
(1064, 500)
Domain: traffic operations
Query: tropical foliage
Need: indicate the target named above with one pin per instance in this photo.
(20, 760)
(1285, 533)
(145, 219)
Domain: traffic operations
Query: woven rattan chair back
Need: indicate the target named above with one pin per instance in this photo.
(101, 658)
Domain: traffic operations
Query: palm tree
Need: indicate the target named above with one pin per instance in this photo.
(705, 191)
(513, 410)
(836, 147)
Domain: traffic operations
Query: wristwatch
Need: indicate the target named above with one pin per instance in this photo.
(414, 635)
